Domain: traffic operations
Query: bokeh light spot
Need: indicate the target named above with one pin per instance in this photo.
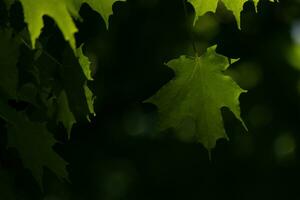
(295, 32)
(284, 146)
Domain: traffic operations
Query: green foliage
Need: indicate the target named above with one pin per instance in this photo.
(35, 142)
(54, 146)
(55, 89)
(62, 12)
(39, 80)
(191, 103)
(86, 68)
(203, 6)
(8, 63)
(64, 113)
(85, 64)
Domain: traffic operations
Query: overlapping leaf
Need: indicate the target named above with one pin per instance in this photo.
(64, 114)
(191, 103)
(62, 12)
(66, 82)
(64, 110)
(203, 6)
(34, 143)
(9, 53)
(31, 138)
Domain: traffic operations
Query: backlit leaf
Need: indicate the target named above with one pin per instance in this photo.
(191, 103)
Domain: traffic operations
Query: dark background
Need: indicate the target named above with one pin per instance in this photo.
(120, 154)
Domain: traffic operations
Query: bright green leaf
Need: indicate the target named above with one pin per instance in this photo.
(104, 7)
(85, 64)
(191, 103)
(203, 6)
(75, 85)
(86, 68)
(59, 10)
(62, 12)
(90, 98)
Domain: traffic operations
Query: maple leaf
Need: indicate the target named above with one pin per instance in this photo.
(9, 52)
(64, 114)
(191, 103)
(33, 142)
(85, 63)
(62, 12)
(203, 6)
(66, 82)
(75, 84)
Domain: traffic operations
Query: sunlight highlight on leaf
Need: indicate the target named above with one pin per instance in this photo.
(198, 92)
(62, 12)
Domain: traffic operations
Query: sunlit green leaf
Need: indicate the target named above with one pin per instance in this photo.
(62, 12)
(191, 103)
(203, 6)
